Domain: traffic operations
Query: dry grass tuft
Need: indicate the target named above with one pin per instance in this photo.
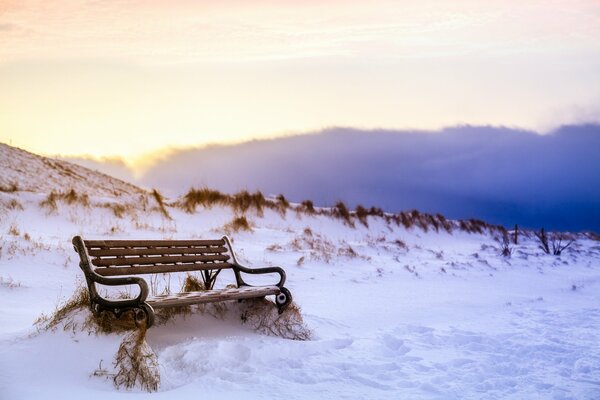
(118, 210)
(69, 197)
(475, 226)
(444, 223)
(79, 300)
(72, 197)
(12, 187)
(13, 230)
(192, 284)
(262, 316)
(203, 197)
(160, 202)
(282, 204)
(362, 214)
(376, 212)
(14, 204)
(341, 211)
(244, 201)
(66, 313)
(307, 207)
(50, 201)
(136, 363)
(238, 224)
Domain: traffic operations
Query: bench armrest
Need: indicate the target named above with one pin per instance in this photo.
(264, 270)
(92, 277)
(240, 268)
(119, 281)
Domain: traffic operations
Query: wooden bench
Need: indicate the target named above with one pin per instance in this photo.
(113, 262)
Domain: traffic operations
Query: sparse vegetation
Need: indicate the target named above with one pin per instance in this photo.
(543, 238)
(13, 230)
(307, 207)
(9, 283)
(282, 204)
(136, 363)
(558, 246)
(161, 203)
(69, 197)
(238, 224)
(193, 284)
(341, 211)
(505, 249)
(118, 209)
(14, 204)
(263, 317)
(79, 300)
(11, 187)
(204, 197)
(362, 214)
(244, 201)
(400, 244)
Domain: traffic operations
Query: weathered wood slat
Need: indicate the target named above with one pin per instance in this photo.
(152, 243)
(156, 251)
(105, 262)
(159, 269)
(188, 298)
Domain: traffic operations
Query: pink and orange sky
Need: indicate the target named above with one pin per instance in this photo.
(124, 78)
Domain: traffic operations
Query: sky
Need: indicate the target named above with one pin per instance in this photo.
(128, 78)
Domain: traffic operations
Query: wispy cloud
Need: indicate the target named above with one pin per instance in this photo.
(182, 31)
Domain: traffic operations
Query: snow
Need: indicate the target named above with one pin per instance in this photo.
(446, 317)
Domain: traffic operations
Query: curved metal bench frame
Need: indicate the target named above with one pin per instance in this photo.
(144, 312)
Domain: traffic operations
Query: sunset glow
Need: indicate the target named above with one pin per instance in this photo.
(128, 78)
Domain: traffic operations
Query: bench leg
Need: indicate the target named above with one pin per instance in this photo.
(144, 314)
(283, 299)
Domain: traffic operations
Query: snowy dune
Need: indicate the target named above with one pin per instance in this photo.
(396, 312)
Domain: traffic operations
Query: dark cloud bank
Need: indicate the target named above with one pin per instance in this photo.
(500, 175)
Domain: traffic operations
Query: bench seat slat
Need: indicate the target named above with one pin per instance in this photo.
(151, 243)
(105, 262)
(157, 251)
(159, 269)
(188, 298)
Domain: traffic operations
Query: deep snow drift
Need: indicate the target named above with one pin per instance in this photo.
(396, 312)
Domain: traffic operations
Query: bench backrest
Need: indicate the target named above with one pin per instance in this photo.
(132, 257)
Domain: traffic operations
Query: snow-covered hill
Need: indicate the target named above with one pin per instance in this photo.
(397, 310)
(25, 171)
